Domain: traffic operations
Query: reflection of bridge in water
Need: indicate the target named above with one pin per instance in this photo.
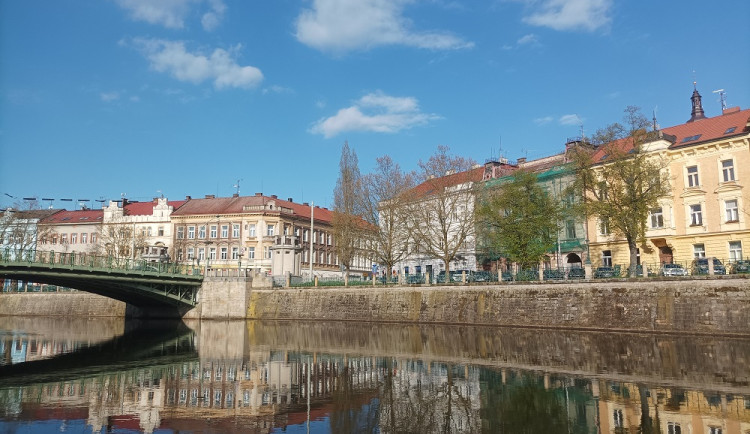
(138, 283)
(402, 378)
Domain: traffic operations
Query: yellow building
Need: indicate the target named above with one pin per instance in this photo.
(705, 216)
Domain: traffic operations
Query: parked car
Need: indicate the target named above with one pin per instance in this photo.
(577, 273)
(700, 266)
(604, 272)
(673, 270)
(554, 274)
(483, 276)
(740, 267)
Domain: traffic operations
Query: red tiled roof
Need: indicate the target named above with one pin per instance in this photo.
(147, 208)
(235, 205)
(429, 186)
(74, 217)
(691, 133)
(710, 128)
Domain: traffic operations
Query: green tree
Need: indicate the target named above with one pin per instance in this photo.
(347, 224)
(621, 181)
(519, 219)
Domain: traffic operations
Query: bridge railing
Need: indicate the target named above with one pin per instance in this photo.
(90, 261)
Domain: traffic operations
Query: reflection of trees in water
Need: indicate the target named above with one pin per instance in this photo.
(523, 406)
(354, 409)
(439, 401)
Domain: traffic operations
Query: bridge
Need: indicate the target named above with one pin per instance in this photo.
(139, 283)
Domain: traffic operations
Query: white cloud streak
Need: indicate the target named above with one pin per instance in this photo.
(570, 120)
(109, 96)
(219, 66)
(375, 112)
(172, 13)
(544, 120)
(586, 15)
(340, 26)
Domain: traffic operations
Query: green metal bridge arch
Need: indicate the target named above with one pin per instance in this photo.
(139, 283)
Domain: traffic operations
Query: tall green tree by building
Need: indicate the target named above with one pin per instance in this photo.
(518, 219)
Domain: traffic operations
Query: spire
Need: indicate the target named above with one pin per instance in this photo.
(697, 112)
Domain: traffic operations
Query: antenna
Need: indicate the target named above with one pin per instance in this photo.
(237, 186)
(722, 98)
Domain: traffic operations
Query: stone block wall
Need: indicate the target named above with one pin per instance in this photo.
(691, 305)
(66, 304)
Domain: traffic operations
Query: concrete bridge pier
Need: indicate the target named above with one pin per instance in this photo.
(225, 296)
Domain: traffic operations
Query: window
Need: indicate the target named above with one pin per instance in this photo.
(160, 231)
(732, 211)
(225, 231)
(223, 253)
(64, 239)
(657, 218)
(603, 195)
(619, 421)
(93, 238)
(83, 238)
(270, 230)
(735, 251)
(73, 238)
(305, 234)
(235, 231)
(267, 252)
(149, 231)
(570, 229)
(213, 231)
(330, 239)
(727, 170)
(699, 251)
(315, 237)
(251, 253)
(692, 175)
(604, 227)
(201, 253)
(251, 231)
(235, 252)
(191, 232)
(212, 253)
(180, 233)
(696, 216)
(607, 258)
(202, 232)
(714, 430)
(674, 428)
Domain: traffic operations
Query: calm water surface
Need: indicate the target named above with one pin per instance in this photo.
(108, 375)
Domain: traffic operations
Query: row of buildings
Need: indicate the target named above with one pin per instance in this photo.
(708, 164)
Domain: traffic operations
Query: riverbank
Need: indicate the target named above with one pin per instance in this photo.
(698, 306)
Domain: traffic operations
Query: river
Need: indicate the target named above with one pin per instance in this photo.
(112, 375)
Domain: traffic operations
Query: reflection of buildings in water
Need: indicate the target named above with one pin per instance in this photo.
(23, 348)
(271, 391)
(623, 407)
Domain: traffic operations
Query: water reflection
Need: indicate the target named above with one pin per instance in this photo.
(337, 377)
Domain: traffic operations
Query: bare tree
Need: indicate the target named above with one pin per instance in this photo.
(120, 240)
(385, 207)
(19, 229)
(441, 209)
(620, 181)
(346, 222)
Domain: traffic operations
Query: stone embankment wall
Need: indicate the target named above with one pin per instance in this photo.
(65, 304)
(692, 305)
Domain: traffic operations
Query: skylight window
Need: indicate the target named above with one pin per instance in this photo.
(65, 218)
(691, 138)
(604, 157)
(730, 130)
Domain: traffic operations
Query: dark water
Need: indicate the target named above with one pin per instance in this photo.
(84, 376)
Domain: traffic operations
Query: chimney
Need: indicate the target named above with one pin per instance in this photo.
(273, 196)
(236, 195)
(258, 194)
(156, 200)
(289, 199)
(188, 198)
(521, 160)
(210, 196)
(124, 201)
(305, 203)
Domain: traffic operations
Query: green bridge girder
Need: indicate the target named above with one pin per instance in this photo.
(133, 282)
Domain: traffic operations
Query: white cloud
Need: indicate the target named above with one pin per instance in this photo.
(109, 96)
(172, 13)
(219, 66)
(528, 39)
(375, 112)
(586, 15)
(345, 25)
(570, 120)
(544, 120)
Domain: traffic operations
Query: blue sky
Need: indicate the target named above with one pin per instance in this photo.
(184, 97)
